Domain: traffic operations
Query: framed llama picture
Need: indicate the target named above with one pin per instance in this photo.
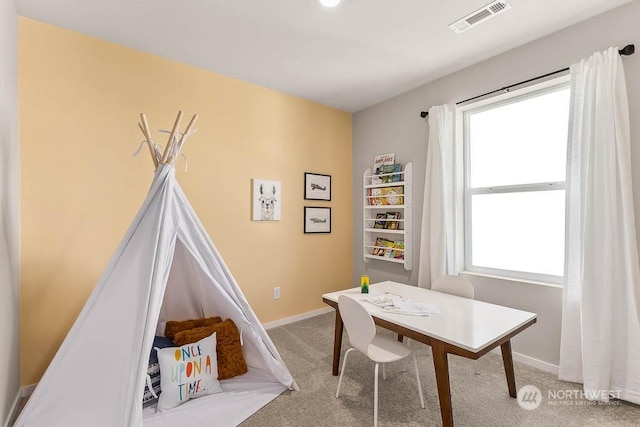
(267, 200)
(317, 186)
(317, 220)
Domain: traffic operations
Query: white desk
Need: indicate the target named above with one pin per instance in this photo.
(464, 327)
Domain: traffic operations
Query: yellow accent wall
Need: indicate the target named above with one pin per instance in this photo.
(80, 99)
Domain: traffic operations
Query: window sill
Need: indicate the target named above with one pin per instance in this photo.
(512, 279)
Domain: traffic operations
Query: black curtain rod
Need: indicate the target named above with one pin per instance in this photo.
(627, 50)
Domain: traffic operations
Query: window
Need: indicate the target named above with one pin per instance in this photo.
(515, 172)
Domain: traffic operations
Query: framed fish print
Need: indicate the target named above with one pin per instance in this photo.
(317, 220)
(317, 186)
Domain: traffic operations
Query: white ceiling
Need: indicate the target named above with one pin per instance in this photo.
(349, 57)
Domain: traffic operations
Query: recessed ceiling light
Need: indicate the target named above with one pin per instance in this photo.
(330, 3)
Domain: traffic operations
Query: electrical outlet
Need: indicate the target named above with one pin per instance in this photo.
(276, 292)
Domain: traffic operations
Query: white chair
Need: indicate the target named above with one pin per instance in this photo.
(381, 349)
(455, 285)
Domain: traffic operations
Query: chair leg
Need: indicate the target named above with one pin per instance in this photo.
(344, 363)
(384, 371)
(415, 363)
(475, 363)
(375, 397)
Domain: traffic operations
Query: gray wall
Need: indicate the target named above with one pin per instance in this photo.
(395, 126)
(9, 286)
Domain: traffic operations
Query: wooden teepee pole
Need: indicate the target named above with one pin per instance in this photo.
(183, 138)
(144, 127)
(171, 136)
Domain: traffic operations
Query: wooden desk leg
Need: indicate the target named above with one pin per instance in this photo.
(441, 365)
(337, 342)
(507, 359)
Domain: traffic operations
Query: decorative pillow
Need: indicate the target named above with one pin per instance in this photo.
(174, 326)
(231, 362)
(153, 371)
(152, 385)
(187, 372)
(159, 342)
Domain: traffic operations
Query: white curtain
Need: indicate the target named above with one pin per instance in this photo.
(600, 340)
(437, 235)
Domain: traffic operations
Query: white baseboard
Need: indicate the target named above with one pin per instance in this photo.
(536, 363)
(296, 318)
(531, 361)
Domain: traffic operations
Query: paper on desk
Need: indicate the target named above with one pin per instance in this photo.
(392, 303)
(404, 306)
(384, 300)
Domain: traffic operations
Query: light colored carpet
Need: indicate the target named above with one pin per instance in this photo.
(478, 400)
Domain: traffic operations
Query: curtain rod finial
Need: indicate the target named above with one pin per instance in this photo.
(629, 49)
(424, 114)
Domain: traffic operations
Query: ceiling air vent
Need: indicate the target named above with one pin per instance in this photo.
(480, 15)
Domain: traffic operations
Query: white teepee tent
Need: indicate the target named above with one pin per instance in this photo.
(165, 268)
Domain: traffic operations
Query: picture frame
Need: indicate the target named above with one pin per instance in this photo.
(266, 200)
(317, 186)
(317, 219)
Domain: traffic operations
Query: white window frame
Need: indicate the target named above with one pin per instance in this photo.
(465, 192)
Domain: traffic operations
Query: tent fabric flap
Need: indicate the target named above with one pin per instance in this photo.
(166, 265)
